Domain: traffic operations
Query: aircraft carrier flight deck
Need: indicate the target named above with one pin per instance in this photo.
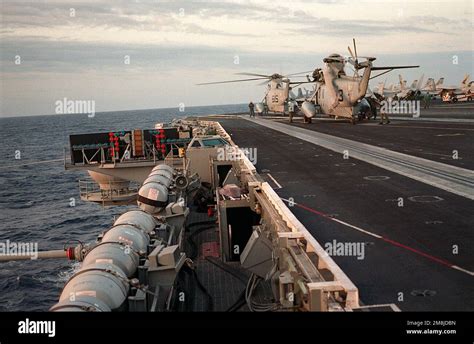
(409, 226)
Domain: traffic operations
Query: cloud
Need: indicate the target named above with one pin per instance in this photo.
(146, 15)
(42, 56)
(174, 44)
(157, 16)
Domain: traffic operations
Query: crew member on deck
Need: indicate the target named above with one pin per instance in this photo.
(426, 101)
(252, 112)
(384, 115)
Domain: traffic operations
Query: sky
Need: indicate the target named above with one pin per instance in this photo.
(151, 54)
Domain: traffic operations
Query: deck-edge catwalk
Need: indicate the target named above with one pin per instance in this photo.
(185, 168)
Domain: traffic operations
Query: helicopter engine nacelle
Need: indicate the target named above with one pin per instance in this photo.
(259, 108)
(308, 109)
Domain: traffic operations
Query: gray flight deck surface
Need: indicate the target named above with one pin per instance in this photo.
(450, 178)
(430, 136)
(436, 141)
(408, 249)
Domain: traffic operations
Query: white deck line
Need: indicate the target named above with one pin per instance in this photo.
(274, 180)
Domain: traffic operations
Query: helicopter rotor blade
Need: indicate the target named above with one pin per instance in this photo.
(380, 74)
(388, 70)
(254, 74)
(272, 76)
(350, 52)
(356, 62)
(393, 67)
(297, 83)
(229, 81)
(305, 72)
(355, 48)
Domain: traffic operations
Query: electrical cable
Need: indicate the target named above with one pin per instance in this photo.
(210, 301)
(254, 306)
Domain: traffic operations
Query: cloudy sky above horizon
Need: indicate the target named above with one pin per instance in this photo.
(79, 49)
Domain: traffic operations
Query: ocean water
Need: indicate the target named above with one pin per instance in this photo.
(35, 199)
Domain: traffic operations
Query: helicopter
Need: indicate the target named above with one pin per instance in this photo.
(339, 95)
(334, 92)
(278, 97)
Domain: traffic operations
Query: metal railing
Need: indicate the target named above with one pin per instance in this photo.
(89, 190)
(150, 154)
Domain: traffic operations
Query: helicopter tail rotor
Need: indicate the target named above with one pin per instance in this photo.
(354, 59)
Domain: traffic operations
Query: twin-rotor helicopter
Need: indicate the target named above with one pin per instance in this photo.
(334, 93)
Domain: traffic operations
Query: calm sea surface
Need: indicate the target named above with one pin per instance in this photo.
(35, 199)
